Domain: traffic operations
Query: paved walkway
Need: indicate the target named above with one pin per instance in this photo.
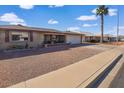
(20, 66)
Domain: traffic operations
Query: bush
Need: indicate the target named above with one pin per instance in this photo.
(17, 47)
(93, 41)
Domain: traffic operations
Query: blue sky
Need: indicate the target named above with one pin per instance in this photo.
(68, 17)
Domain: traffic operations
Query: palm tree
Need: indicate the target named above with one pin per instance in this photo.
(101, 11)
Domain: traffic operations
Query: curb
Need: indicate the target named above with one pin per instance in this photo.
(106, 83)
(95, 83)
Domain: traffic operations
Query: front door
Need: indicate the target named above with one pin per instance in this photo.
(47, 39)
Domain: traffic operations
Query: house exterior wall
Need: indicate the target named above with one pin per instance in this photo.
(106, 39)
(1, 36)
(90, 38)
(121, 38)
(35, 39)
(6, 45)
(113, 39)
(73, 39)
(38, 38)
(83, 39)
(87, 38)
(2, 39)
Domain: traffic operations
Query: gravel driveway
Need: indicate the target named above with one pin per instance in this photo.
(16, 67)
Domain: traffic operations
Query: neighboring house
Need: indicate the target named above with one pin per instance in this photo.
(92, 37)
(121, 37)
(11, 35)
(87, 37)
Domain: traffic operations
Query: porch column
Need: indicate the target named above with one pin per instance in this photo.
(53, 39)
(81, 39)
(31, 36)
(6, 36)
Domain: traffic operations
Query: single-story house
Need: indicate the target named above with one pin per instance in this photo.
(18, 35)
(121, 37)
(96, 38)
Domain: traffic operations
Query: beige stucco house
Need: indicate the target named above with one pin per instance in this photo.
(18, 35)
(91, 37)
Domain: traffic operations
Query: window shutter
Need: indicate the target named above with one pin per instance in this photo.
(6, 36)
(31, 36)
(81, 38)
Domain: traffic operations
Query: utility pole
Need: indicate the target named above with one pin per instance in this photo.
(117, 24)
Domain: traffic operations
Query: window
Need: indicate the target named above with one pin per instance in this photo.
(15, 37)
(47, 39)
(60, 38)
(25, 38)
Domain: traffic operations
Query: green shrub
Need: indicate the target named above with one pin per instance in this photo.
(93, 41)
(17, 47)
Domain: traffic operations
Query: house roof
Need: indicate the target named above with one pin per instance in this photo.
(20, 27)
(105, 35)
(88, 33)
(99, 36)
(26, 28)
(71, 32)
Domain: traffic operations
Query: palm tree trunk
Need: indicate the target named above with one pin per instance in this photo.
(102, 28)
(117, 26)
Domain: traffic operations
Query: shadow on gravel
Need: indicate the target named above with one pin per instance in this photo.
(24, 53)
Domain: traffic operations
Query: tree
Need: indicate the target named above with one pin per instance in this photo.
(101, 11)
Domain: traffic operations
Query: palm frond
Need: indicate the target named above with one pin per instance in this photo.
(102, 10)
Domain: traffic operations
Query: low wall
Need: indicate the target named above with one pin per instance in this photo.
(80, 74)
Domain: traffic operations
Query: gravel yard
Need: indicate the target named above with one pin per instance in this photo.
(16, 67)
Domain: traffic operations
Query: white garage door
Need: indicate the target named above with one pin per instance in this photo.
(73, 39)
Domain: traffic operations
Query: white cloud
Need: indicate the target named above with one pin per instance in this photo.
(121, 27)
(52, 21)
(76, 31)
(89, 25)
(23, 24)
(73, 28)
(114, 30)
(94, 11)
(54, 6)
(26, 6)
(112, 12)
(12, 18)
(87, 18)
